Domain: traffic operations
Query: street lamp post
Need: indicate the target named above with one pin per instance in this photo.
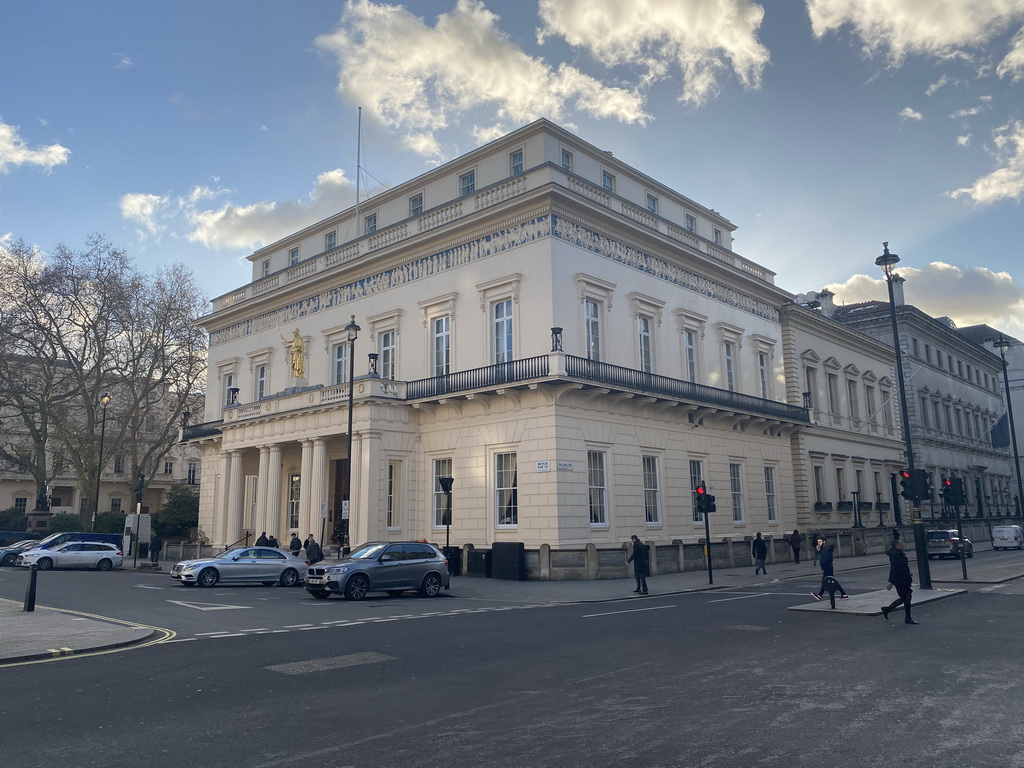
(104, 401)
(888, 261)
(446, 486)
(1003, 344)
(353, 333)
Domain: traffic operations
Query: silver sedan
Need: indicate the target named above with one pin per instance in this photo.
(266, 565)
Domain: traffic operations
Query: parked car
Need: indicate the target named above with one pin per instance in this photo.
(10, 538)
(9, 555)
(947, 544)
(263, 564)
(1007, 537)
(74, 554)
(54, 540)
(381, 566)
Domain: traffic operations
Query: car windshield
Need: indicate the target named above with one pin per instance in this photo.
(367, 552)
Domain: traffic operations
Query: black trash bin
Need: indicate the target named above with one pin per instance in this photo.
(478, 563)
(454, 555)
(508, 560)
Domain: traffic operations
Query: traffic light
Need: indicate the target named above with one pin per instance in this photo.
(907, 484)
(705, 501)
(946, 491)
(925, 489)
(957, 497)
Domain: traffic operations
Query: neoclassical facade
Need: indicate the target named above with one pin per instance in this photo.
(575, 344)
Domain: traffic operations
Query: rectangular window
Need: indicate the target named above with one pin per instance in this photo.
(370, 224)
(567, 160)
(811, 382)
(119, 465)
(652, 491)
(736, 489)
(339, 363)
(887, 407)
(840, 483)
(442, 345)
(870, 404)
(266, 267)
(503, 331)
(730, 366)
(691, 223)
(388, 361)
(915, 347)
(949, 418)
(515, 163)
(229, 389)
(293, 256)
(261, 382)
(394, 484)
(652, 203)
(769, 490)
(959, 422)
(416, 205)
(168, 467)
(192, 473)
(851, 393)
(819, 484)
(646, 348)
(21, 504)
(833, 394)
(696, 478)
(690, 349)
(467, 183)
(937, 413)
(593, 328)
(596, 488)
(293, 501)
(718, 236)
(442, 468)
(506, 491)
(608, 181)
(925, 417)
(762, 373)
(330, 240)
(115, 504)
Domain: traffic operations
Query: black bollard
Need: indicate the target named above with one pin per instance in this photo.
(30, 590)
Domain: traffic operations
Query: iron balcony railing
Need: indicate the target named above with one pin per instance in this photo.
(593, 372)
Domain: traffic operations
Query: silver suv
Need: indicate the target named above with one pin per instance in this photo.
(381, 566)
(947, 544)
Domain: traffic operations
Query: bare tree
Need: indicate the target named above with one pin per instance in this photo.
(78, 324)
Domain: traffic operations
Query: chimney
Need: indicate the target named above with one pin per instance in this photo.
(897, 290)
(828, 306)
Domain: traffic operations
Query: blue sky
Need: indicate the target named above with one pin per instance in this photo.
(198, 131)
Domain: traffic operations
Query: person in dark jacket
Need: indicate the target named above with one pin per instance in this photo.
(273, 542)
(826, 554)
(899, 577)
(295, 545)
(796, 541)
(263, 541)
(313, 553)
(155, 545)
(759, 551)
(641, 564)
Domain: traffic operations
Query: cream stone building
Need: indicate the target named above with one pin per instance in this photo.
(855, 448)
(574, 343)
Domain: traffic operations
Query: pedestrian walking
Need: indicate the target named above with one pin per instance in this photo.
(899, 577)
(295, 545)
(263, 541)
(313, 553)
(826, 555)
(156, 543)
(759, 551)
(641, 560)
(796, 541)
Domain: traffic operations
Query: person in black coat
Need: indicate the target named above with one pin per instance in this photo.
(759, 551)
(899, 577)
(796, 541)
(263, 541)
(295, 545)
(641, 564)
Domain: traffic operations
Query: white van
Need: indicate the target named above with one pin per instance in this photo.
(1007, 537)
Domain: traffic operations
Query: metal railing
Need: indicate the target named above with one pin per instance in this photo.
(480, 378)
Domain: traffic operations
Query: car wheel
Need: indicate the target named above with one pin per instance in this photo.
(44, 564)
(320, 594)
(289, 578)
(104, 565)
(208, 578)
(357, 587)
(9, 560)
(431, 586)
(396, 592)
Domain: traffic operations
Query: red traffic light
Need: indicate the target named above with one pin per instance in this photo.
(700, 490)
(947, 482)
(905, 474)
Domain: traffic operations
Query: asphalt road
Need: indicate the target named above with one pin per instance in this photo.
(725, 678)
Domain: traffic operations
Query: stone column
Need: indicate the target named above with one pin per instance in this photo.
(274, 519)
(220, 514)
(305, 492)
(262, 521)
(318, 489)
(235, 499)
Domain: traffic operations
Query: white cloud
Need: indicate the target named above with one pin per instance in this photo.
(417, 79)
(14, 151)
(969, 295)
(942, 82)
(941, 28)
(144, 210)
(124, 61)
(1013, 65)
(1006, 182)
(963, 141)
(910, 114)
(704, 38)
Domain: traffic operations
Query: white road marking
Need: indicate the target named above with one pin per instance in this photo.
(739, 597)
(209, 606)
(146, 586)
(635, 610)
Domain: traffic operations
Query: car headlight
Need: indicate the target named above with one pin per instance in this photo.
(188, 567)
(338, 569)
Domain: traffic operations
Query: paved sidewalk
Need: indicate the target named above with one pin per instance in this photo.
(47, 632)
